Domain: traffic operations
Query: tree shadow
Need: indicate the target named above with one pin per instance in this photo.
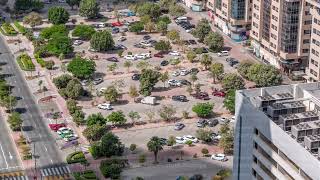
(99, 74)
(161, 89)
(20, 110)
(120, 102)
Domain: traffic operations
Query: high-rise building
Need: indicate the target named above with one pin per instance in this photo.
(277, 133)
(281, 32)
(233, 17)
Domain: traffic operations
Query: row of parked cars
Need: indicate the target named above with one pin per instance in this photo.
(67, 134)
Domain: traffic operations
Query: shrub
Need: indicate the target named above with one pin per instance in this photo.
(189, 142)
(204, 151)
(25, 62)
(20, 28)
(8, 29)
(76, 157)
(88, 174)
(142, 158)
(203, 109)
(50, 64)
(133, 147)
(39, 60)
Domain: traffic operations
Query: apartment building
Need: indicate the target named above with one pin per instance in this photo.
(277, 133)
(233, 17)
(313, 71)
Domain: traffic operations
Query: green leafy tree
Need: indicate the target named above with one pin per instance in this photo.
(151, 9)
(162, 45)
(112, 171)
(215, 41)
(243, 68)
(27, 5)
(165, 4)
(148, 80)
(73, 3)
(59, 44)
(58, 15)
(89, 8)
(95, 119)
(226, 142)
(164, 78)
(215, 71)
(133, 115)
(62, 81)
(155, 145)
(111, 94)
(204, 151)
(15, 121)
(264, 75)
(81, 68)
(203, 109)
(232, 81)
(84, 32)
(229, 100)
(193, 78)
(191, 55)
(173, 35)
(136, 27)
(150, 27)
(145, 19)
(111, 145)
(162, 27)
(133, 147)
(53, 31)
(117, 117)
(206, 61)
(176, 10)
(102, 41)
(165, 19)
(204, 135)
(127, 64)
(95, 150)
(94, 132)
(33, 19)
(202, 29)
(171, 141)
(167, 112)
(74, 89)
(9, 102)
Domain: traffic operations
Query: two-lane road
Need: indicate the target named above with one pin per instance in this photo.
(45, 146)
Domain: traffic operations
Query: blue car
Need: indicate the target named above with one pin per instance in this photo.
(130, 13)
(115, 30)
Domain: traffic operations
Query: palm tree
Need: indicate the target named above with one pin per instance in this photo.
(206, 61)
(155, 145)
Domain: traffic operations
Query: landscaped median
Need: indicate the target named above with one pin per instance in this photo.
(8, 30)
(20, 28)
(89, 174)
(76, 157)
(25, 62)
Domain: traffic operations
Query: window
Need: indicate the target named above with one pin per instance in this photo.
(307, 22)
(307, 31)
(306, 41)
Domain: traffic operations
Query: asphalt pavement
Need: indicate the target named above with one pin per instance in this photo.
(36, 131)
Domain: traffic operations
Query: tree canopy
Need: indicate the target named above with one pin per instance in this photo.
(215, 41)
(155, 145)
(81, 68)
(117, 117)
(89, 8)
(202, 29)
(111, 145)
(102, 41)
(163, 46)
(203, 109)
(232, 81)
(264, 75)
(148, 8)
(229, 100)
(95, 119)
(176, 10)
(111, 94)
(84, 32)
(33, 19)
(148, 80)
(58, 15)
(73, 3)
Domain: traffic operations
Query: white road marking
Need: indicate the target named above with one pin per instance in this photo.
(5, 159)
(10, 156)
(45, 148)
(51, 161)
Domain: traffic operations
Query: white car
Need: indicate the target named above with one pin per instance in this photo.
(122, 38)
(77, 42)
(191, 138)
(180, 140)
(188, 30)
(130, 57)
(232, 119)
(66, 139)
(223, 53)
(176, 73)
(145, 43)
(102, 90)
(219, 157)
(174, 53)
(143, 56)
(215, 136)
(173, 82)
(224, 120)
(184, 72)
(105, 106)
(101, 25)
(64, 130)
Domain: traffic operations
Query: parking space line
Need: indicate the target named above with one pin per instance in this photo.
(5, 159)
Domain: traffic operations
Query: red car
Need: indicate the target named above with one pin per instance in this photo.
(219, 93)
(202, 96)
(55, 127)
(159, 55)
(114, 24)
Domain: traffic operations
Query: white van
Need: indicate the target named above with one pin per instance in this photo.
(182, 19)
(223, 53)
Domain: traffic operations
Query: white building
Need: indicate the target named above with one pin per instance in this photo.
(277, 133)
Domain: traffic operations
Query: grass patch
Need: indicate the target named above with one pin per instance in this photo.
(89, 174)
(39, 60)
(8, 29)
(25, 62)
(76, 157)
(20, 28)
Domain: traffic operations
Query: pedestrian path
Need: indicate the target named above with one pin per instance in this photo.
(62, 171)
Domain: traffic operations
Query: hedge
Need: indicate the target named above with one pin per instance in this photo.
(20, 28)
(89, 174)
(25, 62)
(76, 157)
(8, 29)
(40, 60)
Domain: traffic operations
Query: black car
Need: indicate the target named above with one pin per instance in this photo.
(185, 82)
(201, 123)
(139, 46)
(164, 63)
(192, 41)
(163, 141)
(213, 122)
(146, 37)
(181, 98)
(194, 70)
(135, 77)
(112, 59)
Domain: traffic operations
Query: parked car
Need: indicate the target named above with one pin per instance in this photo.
(149, 100)
(191, 138)
(212, 122)
(164, 63)
(112, 59)
(105, 106)
(174, 53)
(102, 90)
(77, 42)
(119, 46)
(138, 45)
(115, 30)
(224, 120)
(184, 82)
(232, 119)
(135, 77)
(163, 141)
(194, 70)
(201, 123)
(143, 56)
(122, 38)
(173, 82)
(184, 72)
(202, 96)
(180, 140)
(192, 41)
(146, 37)
(55, 127)
(114, 24)
(130, 57)
(158, 55)
(178, 126)
(97, 81)
(181, 98)
(176, 73)
(215, 137)
(219, 157)
(218, 93)
(146, 43)
(223, 53)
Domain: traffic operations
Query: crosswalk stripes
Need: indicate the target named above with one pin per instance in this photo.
(14, 178)
(55, 171)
